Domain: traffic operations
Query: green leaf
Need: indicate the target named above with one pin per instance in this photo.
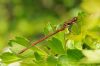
(81, 18)
(60, 36)
(78, 44)
(75, 29)
(75, 54)
(8, 57)
(37, 56)
(70, 44)
(21, 41)
(28, 62)
(16, 48)
(19, 44)
(91, 42)
(10, 42)
(85, 46)
(51, 61)
(56, 46)
(95, 32)
(48, 29)
(72, 58)
(64, 60)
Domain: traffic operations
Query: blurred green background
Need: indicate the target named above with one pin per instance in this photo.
(28, 17)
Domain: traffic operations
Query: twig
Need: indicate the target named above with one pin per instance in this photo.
(65, 25)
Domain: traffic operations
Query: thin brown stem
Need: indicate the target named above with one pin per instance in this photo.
(65, 25)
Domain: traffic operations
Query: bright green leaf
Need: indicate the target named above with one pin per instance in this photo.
(8, 57)
(48, 29)
(51, 61)
(37, 56)
(20, 40)
(76, 29)
(75, 54)
(64, 60)
(16, 48)
(70, 44)
(56, 46)
(19, 44)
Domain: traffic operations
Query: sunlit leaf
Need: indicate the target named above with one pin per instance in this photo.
(37, 56)
(75, 54)
(51, 61)
(8, 57)
(21, 41)
(76, 29)
(56, 46)
(64, 60)
(48, 29)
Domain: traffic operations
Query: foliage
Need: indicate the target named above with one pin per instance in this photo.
(78, 45)
(56, 52)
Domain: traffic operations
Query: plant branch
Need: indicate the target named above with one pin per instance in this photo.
(65, 25)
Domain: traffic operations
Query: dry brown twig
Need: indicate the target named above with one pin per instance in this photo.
(65, 25)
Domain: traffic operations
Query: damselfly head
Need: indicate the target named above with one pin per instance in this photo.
(72, 21)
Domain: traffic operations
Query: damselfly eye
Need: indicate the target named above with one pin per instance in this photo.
(74, 19)
(70, 22)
